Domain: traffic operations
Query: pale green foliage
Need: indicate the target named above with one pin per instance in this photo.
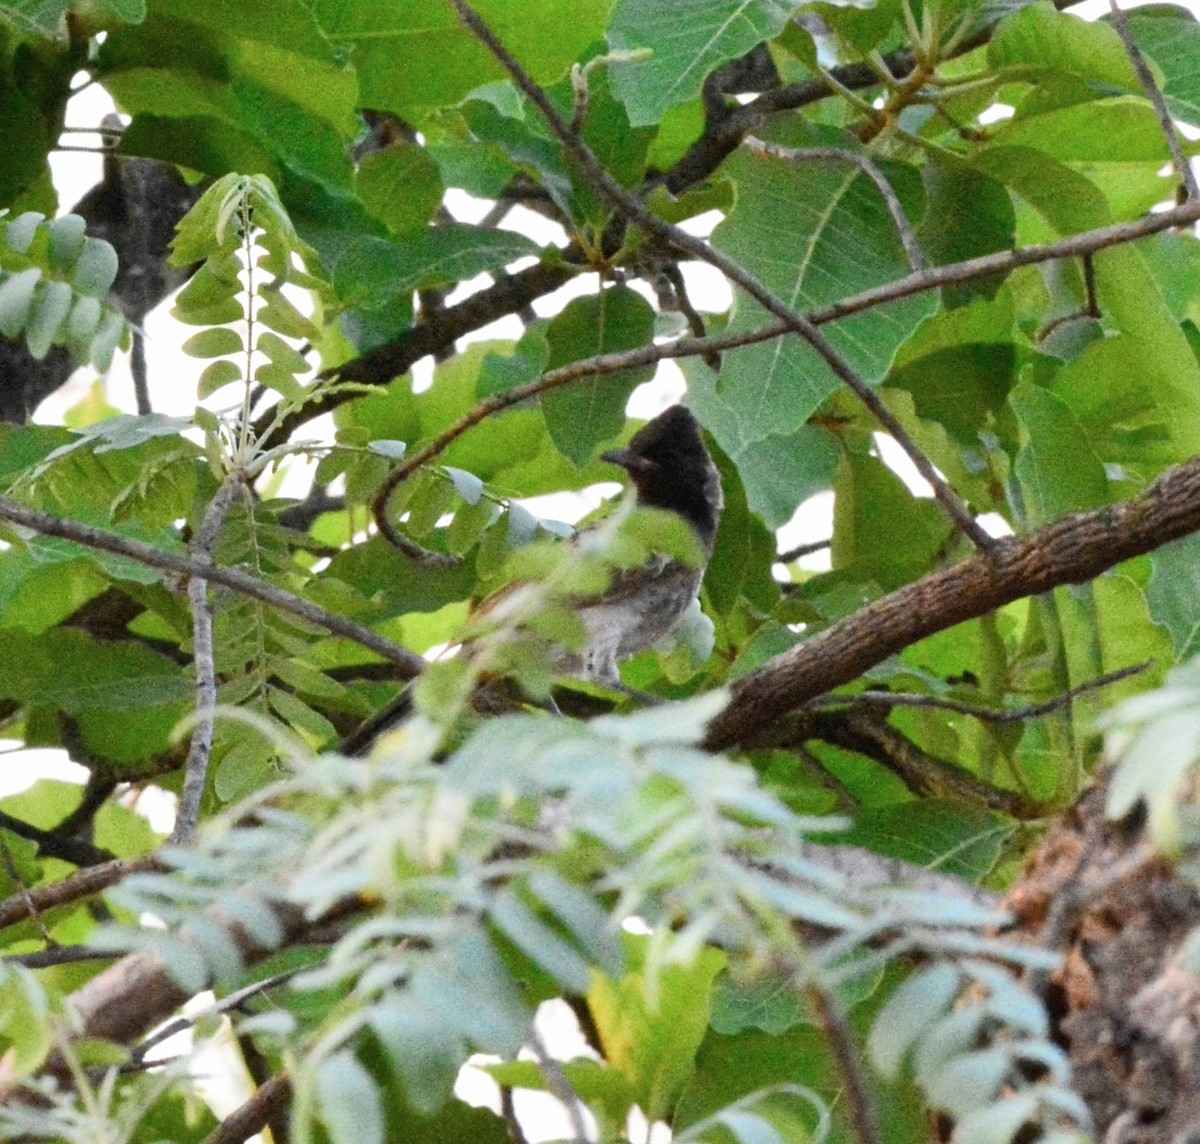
(54, 282)
(478, 865)
(516, 860)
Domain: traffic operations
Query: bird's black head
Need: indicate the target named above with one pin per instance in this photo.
(671, 468)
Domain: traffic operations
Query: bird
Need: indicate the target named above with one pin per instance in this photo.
(671, 469)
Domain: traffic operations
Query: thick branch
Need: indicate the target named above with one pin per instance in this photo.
(1071, 550)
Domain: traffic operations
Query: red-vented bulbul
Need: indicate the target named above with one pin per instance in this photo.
(672, 470)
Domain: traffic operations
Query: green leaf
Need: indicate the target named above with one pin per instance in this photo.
(1174, 593)
(215, 375)
(790, 229)
(213, 343)
(968, 1083)
(412, 55)
(540, 943)
(687, 40)
(1039, 38)
(651, 1030)
(401, 187)
(1170, 36)
(422, 1051)
(43, 19)
(1057, 470)
(955, 839)
(16, 300)
(95, 268)
(373, 270)
(350, 1101)
(910, 1010)
(585, 413)
(881, 532)
(51, 304)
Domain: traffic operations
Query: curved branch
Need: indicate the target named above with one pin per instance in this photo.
(1071, 550)
(387, 362)
(587, 367)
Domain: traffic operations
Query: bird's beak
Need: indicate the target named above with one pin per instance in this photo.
(630, 461)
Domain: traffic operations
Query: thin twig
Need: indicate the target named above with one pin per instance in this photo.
(860, 1102)
(60, 955)
(10, 868)
(598, 177)
(958, 273)
(560, 1086)
(195, 772)
(908, 237)
(983, 714)
(508, 1111)
(409, 662)
(82, 884)
(235, 1000)
(1179, 159)
(801, 550)
(137, 369)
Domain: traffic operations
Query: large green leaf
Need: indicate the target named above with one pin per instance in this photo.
(812, 232)
(374, 270)
(1057, 470)
(881, 532)
(1174, 594)
(686, 40)
(1152, 367)
(412, 55)
(650, 1030)
(950, 837)
(582, 415)
(778, 470)
(1040, 39)
(1170, 36)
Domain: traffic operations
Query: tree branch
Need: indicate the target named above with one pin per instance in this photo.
(409, 662)
(195, 771)
(82, 884)
(387, 362)
(860, 1101)
(1071, 550)
(595, 174)
(921, 773)
(53, 845)
(553, 379)
(889, 699)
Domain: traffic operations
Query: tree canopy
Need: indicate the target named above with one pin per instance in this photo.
(836, 865)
